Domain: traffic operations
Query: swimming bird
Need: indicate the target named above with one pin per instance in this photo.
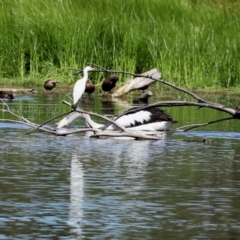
(80, 86)
(150, 119)
(109, 83)
(6, 94)
(143, 99)
(89, 88)
(50, 84)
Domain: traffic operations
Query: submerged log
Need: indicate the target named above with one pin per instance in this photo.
(17, 90)
(138, 83)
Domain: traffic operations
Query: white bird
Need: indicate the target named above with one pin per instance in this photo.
(80, 85)
(150, 119)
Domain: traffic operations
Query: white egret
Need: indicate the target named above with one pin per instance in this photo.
(150, 119)
(80, 86)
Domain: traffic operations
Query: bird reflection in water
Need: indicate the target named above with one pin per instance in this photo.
(76, 194)
(137, 154)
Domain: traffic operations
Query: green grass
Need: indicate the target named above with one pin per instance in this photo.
(194, 44)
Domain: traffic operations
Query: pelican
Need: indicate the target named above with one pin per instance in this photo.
(80, 85)
(150, 119)
(50, 84)
(109, 83)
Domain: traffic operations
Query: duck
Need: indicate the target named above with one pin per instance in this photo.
(80, 86)
(143, 99)
(207, 140)
(6, 94)
(50, 84)
(89, 88)
(109, 83)
(150, 119)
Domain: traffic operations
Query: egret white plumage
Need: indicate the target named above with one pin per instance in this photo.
(150, 119)
(80, 86)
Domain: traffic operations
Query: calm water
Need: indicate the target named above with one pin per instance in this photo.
(75, 187)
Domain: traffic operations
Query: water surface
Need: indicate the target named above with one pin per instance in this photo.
(75, 187)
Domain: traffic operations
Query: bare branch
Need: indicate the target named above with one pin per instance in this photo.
(97, 115)
(48, 121)
(156, 79)
(192, 126)
(215, 106)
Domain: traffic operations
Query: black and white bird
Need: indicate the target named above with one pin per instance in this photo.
(150, 119)
(80, 85)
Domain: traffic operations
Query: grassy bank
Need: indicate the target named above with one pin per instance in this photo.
(194, 44)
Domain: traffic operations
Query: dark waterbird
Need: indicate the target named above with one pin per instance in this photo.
(50, 84)
(109, 83)
(90, 88)
(143, 99)
(6, 94)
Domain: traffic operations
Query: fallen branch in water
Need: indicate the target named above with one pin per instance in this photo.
(192, 126)
(98, 133)
(50, 120)
(124, 132)
(201, 103)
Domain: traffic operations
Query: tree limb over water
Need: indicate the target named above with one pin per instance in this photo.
(124, 132)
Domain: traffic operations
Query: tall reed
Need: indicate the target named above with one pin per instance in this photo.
(193, 43)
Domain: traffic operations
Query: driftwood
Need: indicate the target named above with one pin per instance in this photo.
(98, 133)
(18, 90)
(138, 83)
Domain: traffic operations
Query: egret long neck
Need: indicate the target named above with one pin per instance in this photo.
(85, 75)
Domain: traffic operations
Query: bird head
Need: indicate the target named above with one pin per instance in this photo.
(88, 69)
(113, 78)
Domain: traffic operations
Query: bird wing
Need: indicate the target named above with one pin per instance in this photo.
(135, 119)
(150, 115)
(78, 90)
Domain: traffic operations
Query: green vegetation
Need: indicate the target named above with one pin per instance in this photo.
(195, 44)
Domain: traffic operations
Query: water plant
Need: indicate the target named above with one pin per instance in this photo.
(193, 43)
